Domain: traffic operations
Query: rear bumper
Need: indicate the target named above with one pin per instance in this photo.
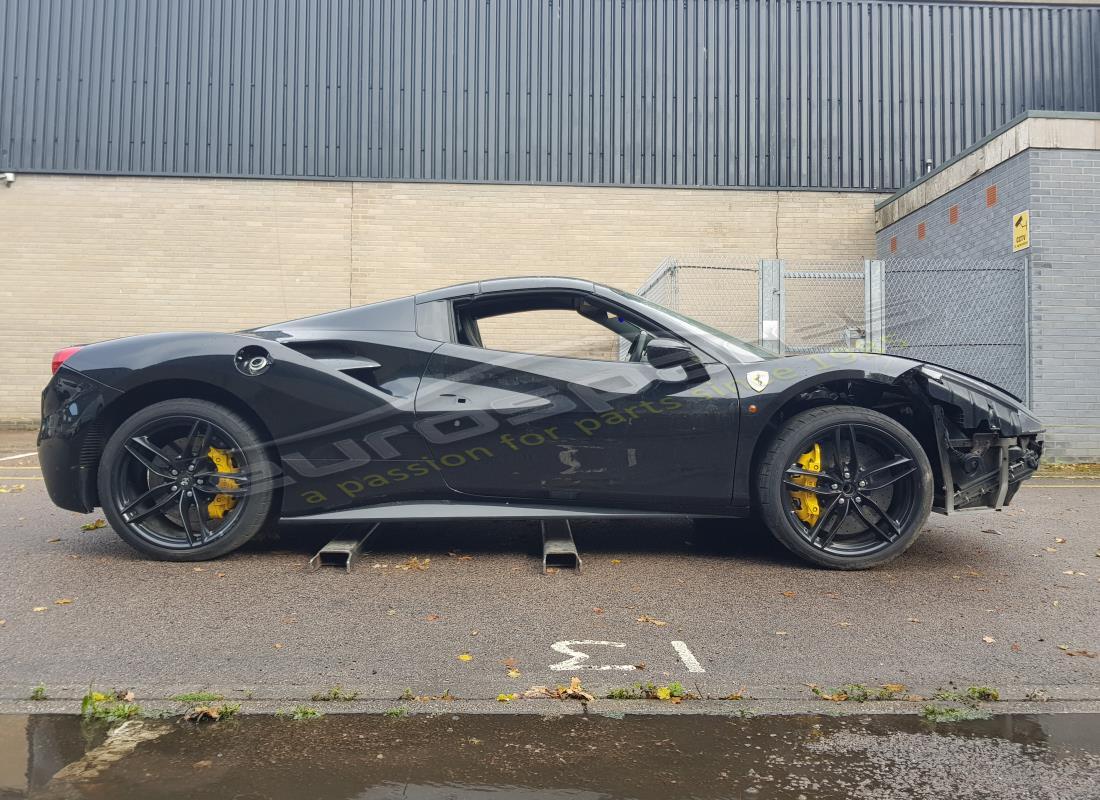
(71, 438)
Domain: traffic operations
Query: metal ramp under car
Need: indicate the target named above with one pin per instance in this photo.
(559, 551)
(341, 551)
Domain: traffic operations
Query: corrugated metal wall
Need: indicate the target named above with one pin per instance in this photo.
(795, 93)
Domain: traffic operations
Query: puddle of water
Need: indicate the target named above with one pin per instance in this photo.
(445, 756)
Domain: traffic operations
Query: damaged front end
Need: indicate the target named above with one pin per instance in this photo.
(987, 441)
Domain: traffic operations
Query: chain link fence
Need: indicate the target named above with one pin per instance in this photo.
(965, 314)
(823, 306)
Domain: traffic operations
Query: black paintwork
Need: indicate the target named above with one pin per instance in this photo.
(382, 404)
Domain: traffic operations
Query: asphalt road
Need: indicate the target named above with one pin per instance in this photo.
(990, 599)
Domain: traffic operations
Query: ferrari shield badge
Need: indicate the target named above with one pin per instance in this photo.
(758, 379)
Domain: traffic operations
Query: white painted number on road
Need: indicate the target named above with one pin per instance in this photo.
(690, 661)
(577, 658)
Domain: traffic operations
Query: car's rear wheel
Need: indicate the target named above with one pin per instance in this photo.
(845, 487)
(185, 480)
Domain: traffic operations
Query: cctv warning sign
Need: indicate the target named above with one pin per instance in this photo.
(1021, 231)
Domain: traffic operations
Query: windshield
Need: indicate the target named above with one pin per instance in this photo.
(741, 350)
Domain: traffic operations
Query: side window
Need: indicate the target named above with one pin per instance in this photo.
(555, 325)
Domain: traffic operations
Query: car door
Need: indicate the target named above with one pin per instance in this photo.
(517, 425)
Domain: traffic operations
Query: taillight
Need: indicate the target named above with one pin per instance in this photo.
(61, 356)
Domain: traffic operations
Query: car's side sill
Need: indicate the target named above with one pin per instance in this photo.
(423, 511)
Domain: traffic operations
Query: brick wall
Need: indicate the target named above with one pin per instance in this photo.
(91, 258)
(1061, 189)
(1065, 297)
(980, 230)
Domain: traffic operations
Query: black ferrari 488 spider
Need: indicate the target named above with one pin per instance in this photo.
(452, 404)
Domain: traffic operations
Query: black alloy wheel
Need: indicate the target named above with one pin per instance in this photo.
(185, 480)
(845, 487)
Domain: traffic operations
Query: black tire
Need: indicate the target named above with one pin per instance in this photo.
(176, 523)
(888, 509)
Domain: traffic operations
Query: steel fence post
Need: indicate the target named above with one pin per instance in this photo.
(771, 305)
(874, 295)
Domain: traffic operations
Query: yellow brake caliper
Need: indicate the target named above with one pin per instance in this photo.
(808, 508)
(222, 503)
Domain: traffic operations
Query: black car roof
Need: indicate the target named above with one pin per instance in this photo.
(505, 285)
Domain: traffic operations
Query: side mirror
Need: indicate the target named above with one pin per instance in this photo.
(664, 353)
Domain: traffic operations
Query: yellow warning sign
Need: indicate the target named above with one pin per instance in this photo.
(1021, 231)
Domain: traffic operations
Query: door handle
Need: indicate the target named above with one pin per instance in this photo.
(458, 398)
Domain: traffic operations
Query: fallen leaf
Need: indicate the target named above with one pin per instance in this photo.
(576, 691)
(780, 633)
(1067, 572)
(646, 618)
(597, 610)
(507, 698)
(844, 624)
(616, 561)
(198, 569)
(1051, 549)
(39, 608)
(640, 665)
(63, 601)
(994, 531)
(551, 571)
(125, 697)
(432, 618)
(278, 645)
(54, 540)
(465, 657)
(203, 764)
(391, 611)
(988, 639)
(5, 489)
(1016, 647)
(1059, 540)
(3, 622)
(199, 713)
(94, 526)
(894, 688)
(219, 574)
(788, 594)
(415, 564)
(738, 695)
(513, 673)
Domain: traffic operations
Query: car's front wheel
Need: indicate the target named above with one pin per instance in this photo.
(845, 487)
(185, 480)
